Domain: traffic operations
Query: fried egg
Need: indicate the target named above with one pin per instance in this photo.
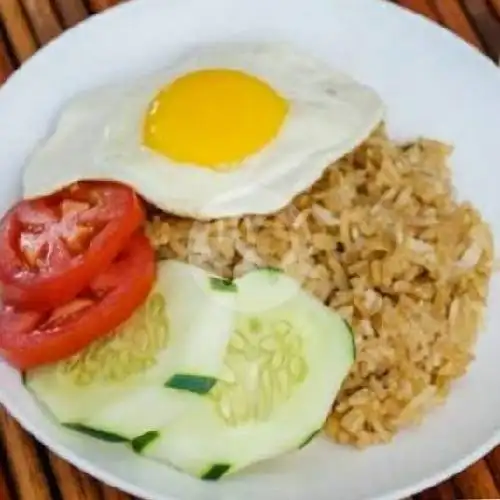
(225, 130)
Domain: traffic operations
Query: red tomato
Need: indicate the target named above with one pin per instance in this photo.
(52, 247)
(31, 338)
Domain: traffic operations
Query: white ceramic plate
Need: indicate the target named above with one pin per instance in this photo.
(433, 84)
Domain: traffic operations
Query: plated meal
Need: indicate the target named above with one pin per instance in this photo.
(215, 263)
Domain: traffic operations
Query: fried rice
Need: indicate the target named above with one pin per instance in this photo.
(381, 239)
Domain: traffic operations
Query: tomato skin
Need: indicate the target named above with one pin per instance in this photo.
(78, 244)
(32, 338)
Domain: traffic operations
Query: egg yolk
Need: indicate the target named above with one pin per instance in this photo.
(214, 118)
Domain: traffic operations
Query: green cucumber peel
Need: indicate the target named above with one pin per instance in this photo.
(216, 472)
(139, 444)
(310, 438)
(223, 285)
(349, 327)
(109, 437)
(191, 383)
(271, 269)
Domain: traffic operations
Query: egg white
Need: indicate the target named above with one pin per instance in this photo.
(99, 136)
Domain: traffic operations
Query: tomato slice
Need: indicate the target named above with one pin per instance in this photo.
(52, 247)
(32, 338)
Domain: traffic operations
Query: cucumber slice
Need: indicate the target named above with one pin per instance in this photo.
(284, 366)
(120, 384)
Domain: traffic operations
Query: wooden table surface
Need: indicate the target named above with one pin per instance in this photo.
(27, 470)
